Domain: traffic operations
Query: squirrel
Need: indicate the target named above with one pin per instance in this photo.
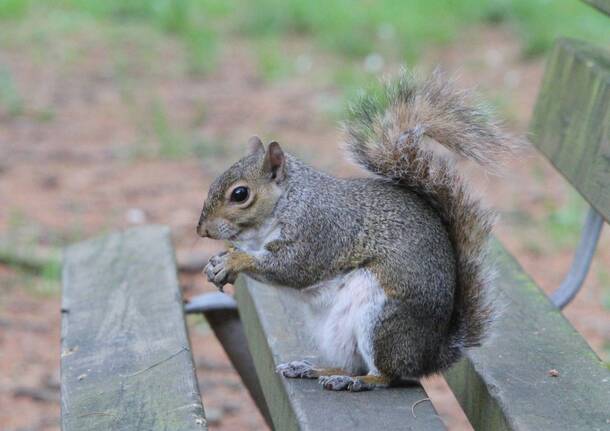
(392, 267)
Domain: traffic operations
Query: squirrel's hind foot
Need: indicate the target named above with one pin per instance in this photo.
(353, 384)
(305, 370)
(297, 370)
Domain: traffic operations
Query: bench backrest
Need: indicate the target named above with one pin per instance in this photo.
(571, 122)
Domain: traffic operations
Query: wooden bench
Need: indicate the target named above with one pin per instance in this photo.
(126, 359)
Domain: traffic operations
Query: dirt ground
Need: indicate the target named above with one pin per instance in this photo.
(91, 168)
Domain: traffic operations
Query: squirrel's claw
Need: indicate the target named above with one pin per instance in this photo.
(297, 369)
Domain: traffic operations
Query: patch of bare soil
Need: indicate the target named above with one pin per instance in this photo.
(93, 167)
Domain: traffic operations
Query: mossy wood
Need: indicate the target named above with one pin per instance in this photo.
(571, 123)
(126, 361)
(274, 326)
(601, 5)
(508, 384)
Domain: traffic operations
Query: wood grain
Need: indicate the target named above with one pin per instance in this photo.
(507, 383)
(571, 123)
(126, 359)
(274, 326)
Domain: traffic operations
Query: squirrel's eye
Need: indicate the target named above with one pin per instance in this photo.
(239, 194)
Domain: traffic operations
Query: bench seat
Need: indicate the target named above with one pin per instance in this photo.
(273, 324)
(509, 383)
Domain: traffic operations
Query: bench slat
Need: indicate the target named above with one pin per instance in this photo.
(601, 5)
(126, 359)
(273, 323)
(505, 385)
(571, 123)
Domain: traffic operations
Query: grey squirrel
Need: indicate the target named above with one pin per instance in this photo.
(392, 267)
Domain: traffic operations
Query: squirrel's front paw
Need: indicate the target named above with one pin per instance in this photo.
(218, 271)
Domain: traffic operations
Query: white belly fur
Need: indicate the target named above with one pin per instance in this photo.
(341, 315)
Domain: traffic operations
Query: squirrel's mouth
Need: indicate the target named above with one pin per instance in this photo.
(226, 231)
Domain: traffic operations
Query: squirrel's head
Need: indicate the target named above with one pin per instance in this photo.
(245, 195)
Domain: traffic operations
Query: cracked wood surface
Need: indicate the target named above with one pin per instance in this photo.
(126, 358)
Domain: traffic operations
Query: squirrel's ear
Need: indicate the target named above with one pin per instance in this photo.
(275, 161)
(255, 145)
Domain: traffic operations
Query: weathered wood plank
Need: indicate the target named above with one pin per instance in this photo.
(601, 5)
(274, 327)
(506, 385)
(126, 359)
(571, 123)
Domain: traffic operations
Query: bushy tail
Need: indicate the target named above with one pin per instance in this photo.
(385, 135)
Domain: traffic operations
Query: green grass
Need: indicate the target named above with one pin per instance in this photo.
(12, 9)
(406, 28)
(195, 23)
(353, 29)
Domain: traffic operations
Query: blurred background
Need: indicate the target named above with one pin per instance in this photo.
(120, 112)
